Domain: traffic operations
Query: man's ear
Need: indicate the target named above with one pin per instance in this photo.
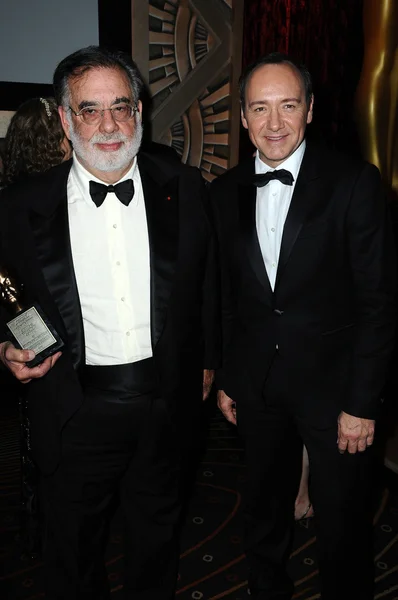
(243, 119)
(64, 121)
(311, 110)
(139, 106)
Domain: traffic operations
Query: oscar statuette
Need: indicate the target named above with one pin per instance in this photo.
(29, 328)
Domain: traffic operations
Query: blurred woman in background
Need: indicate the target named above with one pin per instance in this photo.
(35, 140)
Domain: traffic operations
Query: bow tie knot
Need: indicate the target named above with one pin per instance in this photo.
(124, 191)
(261, 179)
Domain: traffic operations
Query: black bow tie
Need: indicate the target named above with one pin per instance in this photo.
(124, 191)
(284, 176)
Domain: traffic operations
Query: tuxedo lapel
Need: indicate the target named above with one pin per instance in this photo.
(161, 203)
(247, 194)
(50, 226)
(306, 194)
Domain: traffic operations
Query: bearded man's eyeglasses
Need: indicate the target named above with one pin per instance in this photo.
(92, 115)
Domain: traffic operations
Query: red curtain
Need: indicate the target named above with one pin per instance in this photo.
(327, 36)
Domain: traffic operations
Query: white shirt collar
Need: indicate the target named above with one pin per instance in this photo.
(292, 164)
(82, 179)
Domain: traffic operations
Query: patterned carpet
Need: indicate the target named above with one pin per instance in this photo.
(212, 562)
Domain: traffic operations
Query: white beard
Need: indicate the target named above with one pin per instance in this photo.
(106, 161)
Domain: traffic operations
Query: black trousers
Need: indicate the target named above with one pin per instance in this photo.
(121, 440)
(341, 492)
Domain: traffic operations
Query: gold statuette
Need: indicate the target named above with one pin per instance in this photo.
(376, 100)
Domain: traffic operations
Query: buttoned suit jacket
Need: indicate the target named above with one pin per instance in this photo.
(331, 316)
(35, 247)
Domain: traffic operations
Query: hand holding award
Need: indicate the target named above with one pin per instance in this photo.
(29, 328)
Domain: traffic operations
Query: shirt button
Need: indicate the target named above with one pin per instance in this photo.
(118, 263)
(127, 333)
(122, 298)
(272, 228)
(274, 194)
(114, 226)
(274, 264)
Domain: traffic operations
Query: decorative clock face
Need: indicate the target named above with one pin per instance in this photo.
(189, 77)
(200, 136)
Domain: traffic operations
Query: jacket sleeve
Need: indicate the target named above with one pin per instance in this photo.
(211, 294)
(373, 267)
(227, 308)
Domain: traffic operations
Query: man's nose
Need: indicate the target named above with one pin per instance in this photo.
(108, 123)
(275, 121)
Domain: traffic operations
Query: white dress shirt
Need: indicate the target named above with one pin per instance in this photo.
(272, 205)
(110, 250)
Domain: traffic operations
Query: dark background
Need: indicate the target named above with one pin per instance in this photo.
(324, 34)
(327, 36)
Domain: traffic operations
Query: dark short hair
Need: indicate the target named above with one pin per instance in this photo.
(33, 142)
(94, 57)
(276, 58)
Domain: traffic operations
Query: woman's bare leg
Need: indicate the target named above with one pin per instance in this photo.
(303, 507)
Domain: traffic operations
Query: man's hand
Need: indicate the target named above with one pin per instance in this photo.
(354, 434)
(15, 360)
(208, 378)
(227, 406)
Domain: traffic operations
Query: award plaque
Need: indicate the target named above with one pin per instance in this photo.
(29, 328)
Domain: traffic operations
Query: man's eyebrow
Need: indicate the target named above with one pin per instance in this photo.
(298, 100)
(257, 103)
(264, 102)
(122, 99)
(87, 103)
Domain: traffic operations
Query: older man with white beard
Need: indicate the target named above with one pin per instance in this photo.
(117, 249)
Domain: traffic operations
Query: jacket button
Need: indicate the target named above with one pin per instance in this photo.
(278, 312)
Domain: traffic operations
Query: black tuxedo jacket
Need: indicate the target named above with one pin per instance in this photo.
(332, 311)
(35, 246)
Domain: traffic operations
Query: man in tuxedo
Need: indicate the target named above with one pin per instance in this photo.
(116, 247)
(307, 271)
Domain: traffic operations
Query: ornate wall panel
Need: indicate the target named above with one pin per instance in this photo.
(189, 52)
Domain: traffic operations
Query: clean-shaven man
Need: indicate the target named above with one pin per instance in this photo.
(308, 284)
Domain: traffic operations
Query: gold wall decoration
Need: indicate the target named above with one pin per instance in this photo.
(189, 52)
(377, 92)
